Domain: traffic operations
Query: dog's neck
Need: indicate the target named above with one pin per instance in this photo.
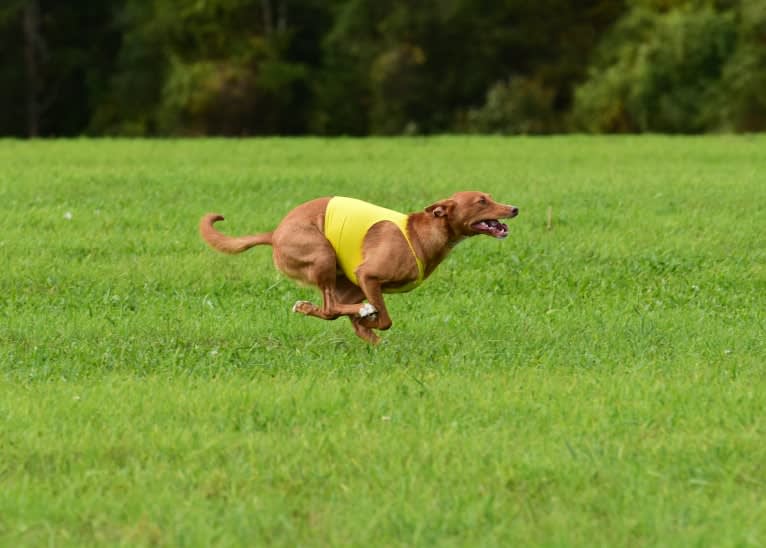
(432, 237)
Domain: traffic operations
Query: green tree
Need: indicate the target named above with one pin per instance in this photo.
(54, 58)
(424, 65)
(228, 67)
(740, 103)
(13, 84)
(253, 67)
(658, 71)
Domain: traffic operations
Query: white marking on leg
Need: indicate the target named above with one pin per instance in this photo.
(367, 310)
(298, 303)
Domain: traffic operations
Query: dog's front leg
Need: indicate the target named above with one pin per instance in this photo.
(362, 331)
(349, 293)
(377, 317)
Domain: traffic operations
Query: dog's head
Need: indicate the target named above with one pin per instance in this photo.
(472, 213)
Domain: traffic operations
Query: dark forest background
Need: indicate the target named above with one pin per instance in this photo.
(386, 67)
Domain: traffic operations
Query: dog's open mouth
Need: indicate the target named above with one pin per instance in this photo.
(491, 227)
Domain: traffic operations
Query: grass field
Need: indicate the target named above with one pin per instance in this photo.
(599, 382)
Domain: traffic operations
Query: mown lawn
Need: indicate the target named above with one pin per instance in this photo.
(598, 381)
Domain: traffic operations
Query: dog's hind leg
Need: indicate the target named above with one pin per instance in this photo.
(331, 308)
(339, 296)
(349, 298)
(346, 293)
(303, 253)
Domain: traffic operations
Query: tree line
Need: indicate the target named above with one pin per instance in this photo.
(385, 67)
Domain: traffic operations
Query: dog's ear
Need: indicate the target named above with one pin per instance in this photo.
(441, 209)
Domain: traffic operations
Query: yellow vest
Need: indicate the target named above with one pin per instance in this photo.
(346, 222)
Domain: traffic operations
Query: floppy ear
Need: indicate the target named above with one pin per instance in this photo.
(441, 209)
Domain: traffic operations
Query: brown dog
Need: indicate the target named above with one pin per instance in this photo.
(392, 252)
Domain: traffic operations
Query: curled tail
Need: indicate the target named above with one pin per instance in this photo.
(228, 244)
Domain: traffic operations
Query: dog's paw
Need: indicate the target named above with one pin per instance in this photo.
(302, 307)
(367, 310)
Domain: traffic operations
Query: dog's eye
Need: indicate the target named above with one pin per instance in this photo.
(483, 200)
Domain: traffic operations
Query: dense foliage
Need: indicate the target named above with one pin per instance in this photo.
(250, 67)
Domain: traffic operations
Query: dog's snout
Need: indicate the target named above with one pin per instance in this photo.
(514, 211)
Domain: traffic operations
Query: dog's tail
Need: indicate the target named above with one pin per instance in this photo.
(228, 244)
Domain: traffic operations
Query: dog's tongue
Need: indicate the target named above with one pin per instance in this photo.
(492, 227)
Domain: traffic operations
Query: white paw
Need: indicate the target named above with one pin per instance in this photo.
(299, 303)
(367, 310)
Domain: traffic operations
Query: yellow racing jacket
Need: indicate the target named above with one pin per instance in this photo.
(346, 222)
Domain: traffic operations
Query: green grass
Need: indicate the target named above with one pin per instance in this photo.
(599, 383)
